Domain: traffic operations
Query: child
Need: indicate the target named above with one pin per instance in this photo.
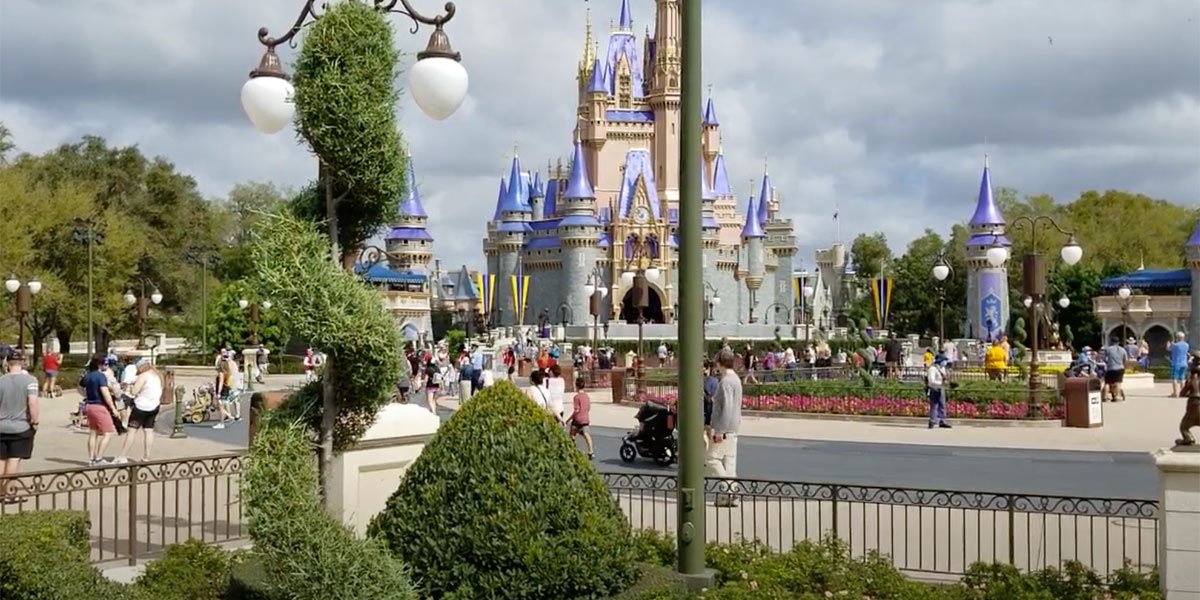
(581, 417)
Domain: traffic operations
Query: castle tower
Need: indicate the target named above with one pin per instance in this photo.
(711, 140)
(831, 265)
(411, 250)
(753, 238)
(987, 286)
(725, 205)
(506, 238)
(1193, 255)
(537, 197)
(579, 235)
(781, 250)
(664, 98)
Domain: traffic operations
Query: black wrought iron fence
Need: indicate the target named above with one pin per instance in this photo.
(138, 509)
(923, 531)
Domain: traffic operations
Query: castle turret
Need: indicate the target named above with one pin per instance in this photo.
(712, 130)
(665, 95)
(579, 235)
(1193, 255)
(507, 236)
(987, 286)
(537, 196)
(753, 238)
(408, 241)
(780, 246)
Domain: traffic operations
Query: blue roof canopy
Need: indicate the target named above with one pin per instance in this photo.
(381, 273)
(1150, 279)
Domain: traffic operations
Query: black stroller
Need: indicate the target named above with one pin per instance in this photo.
(654, 437)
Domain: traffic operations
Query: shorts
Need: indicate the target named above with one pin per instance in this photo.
(139, 418)
(99, 418)
(51, 374)
(17, 445)
(1179, 373)
(577, 429)
(1117, 376)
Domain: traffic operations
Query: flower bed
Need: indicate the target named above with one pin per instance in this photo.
(971, 400)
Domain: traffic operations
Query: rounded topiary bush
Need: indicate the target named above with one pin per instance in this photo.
(501, 505)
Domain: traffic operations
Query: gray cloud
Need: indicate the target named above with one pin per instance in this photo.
(877, 108)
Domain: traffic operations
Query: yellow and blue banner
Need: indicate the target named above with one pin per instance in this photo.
(486, 284)
(520, 295)
(881, 296)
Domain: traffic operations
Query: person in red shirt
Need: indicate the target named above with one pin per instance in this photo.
(50, 363)
(581, 417)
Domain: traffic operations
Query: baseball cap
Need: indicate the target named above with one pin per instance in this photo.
(16, 355)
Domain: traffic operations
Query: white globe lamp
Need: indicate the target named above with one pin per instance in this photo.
(130, 299)
(941, 271)
(12, 284)
(716, 300)
(652, 274)
(809, 291)
(1124, 292)
(243, 303)
(1064, 302)
(627, 279)
(1072, 252)
(266, 304)
(603, 291)
(589, 289)
(1027, 301)
(438, 82)
(997, 255)
(156, 297)
(267, 97)
(35, 286)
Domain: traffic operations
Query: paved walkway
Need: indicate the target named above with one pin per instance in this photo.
(1144, 422)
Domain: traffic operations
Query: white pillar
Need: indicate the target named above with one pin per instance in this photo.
(1179, 522)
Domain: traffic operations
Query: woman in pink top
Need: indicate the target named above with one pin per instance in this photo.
(581, 416)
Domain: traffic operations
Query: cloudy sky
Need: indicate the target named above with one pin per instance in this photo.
(882, 108)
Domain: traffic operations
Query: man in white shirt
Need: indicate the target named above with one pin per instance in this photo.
(726, 420)
(936, 384)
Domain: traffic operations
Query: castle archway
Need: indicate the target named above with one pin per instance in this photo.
(653, 312)
(1159, 339)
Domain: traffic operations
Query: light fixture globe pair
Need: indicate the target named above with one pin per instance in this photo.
(590, 288)
(12, 284)
(243, 303)
(1071, 253)
(156, 297)
(627, 276)
(715, 300)
(438, 83)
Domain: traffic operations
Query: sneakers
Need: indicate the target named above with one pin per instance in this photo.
(120, 460)
(220, 425)
(97, 462)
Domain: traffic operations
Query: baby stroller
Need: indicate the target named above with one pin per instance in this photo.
(654, 437)
(201, 404)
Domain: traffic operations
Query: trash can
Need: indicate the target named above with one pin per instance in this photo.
(617, 381)
(1084, 405)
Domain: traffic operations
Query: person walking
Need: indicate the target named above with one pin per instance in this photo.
(726, 420)
(19, 414)
(1114, 369)
(1191, 413)
(100, 410)
(557, 386)
(433, 379)
(1179, 364)
(581, 417)
(147, 391)
(50, 364)
(935, 385)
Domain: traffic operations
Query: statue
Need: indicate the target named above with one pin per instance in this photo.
(1191, 413)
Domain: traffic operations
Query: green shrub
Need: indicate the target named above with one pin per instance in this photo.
(44, 555)
(501, 505)
(192, 570)
(307, 553)
(654, 548)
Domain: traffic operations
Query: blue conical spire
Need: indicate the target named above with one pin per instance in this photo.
(752, 228)
(500, 200)
(1194, 241)
(626, 19)
(599, 81)
(986, 212)
(536, 190)
(721, 185)
(764, 199)
(710, 113)
(578, 186)
(706, 190)
(411, 205)
(517, 194)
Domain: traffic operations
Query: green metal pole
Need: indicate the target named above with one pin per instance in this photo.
(690, 501)
(91, 333)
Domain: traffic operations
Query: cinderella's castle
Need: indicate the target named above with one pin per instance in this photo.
(613, 209)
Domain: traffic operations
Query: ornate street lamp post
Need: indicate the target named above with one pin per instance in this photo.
(24, 293)
(86, 232)
(1034, 279)
(711, 300)
(639, 272)
(255, 316)
(596, 291)
(809, 293)
(205, 258)
(143, 303)
(1124, 297)
(941, 271)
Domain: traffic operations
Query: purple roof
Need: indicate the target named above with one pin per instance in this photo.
(516, 197)
(1194, 241)
(605, 240)
(638, 164)
(605, 215)
(579, 221)
(721, 185)
(578, 186)
(710, 113)
(550, 204)
(535, 188)
(986, 239)
(629, 116)
(542, 243)
(626, 19)
(986, 212)
(622, 43)
(752, 229)
(764, 199)
(514, 227)
(599, 81)
(411, 205)
(673, 241)
(709, 222)
(500, 200)
(408, 233)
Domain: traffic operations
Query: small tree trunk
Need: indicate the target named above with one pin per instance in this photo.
(328, 420)
(331, 216)
(64, 340)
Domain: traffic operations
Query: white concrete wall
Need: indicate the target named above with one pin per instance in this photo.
(1179, 541)
(365, 476)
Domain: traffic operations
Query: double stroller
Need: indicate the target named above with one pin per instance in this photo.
(655, 436)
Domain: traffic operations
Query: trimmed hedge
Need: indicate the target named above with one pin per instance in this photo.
(45, 555)
(308, 554)
(191, 570)
(502, 505)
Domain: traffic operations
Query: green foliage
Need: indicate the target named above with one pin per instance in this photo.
(241, 213)
(1079, 284)
(652, 547)
(191, 570)
(45, 556)
(229, 324)
(981, 393)
(346, 93)
(869, 254)
(337, 314)
(914, 302)
(306, 552)
(455, 339)
(502, 505)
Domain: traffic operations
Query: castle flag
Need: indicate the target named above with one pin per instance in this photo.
(487, 292)
(520, 293)
(881, 296)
